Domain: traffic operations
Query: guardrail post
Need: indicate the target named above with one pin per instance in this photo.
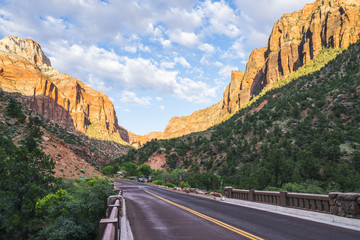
(345, 204)
(251, 196)
(282, 199)
(103, 225)
(228, 192)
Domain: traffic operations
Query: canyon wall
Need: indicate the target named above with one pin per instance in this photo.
(294, 41)
(59, 97)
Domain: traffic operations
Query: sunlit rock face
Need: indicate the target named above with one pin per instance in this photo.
(25, 69)
(295, 40)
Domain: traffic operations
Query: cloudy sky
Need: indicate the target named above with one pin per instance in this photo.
(155, 59)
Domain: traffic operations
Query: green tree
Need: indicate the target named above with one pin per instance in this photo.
(14, 110)
(25, 178)
(130, 168)
(109, 170)
(356, 161)
(278, 167)
(308, 165)
(145, 170)
(74, 213)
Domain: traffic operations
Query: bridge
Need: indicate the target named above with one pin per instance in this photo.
(155, 213)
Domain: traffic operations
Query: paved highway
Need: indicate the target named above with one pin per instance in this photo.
(159, 214)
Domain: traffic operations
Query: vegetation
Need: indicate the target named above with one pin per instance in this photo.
(305, 139)
(33, 203)
(73, 211)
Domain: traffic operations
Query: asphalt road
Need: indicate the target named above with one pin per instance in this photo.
(159, 214)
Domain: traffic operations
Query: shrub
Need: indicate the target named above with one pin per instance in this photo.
(158, 182)
(108, 170)
(168, 184)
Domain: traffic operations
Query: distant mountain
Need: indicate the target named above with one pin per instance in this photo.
(65, 100)
(303, 135)
(295, 40)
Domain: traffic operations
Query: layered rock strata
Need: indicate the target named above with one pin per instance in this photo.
(294, 41)
(25, 69)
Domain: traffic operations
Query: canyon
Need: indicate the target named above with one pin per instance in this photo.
(294, 41)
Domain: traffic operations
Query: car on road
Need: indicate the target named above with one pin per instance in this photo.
(142, 180)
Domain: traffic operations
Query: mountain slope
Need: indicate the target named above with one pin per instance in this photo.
(67, 101)
(303, 135)
(294, 41)
(26, 125)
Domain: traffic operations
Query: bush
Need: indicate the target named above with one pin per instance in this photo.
(158, 182)
(168, 184)
(74, 212)
(145, 170)
(108, 170)
(305, 187)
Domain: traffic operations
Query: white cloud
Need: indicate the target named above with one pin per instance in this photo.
(131, 73)
(192, 91)
(130, 97)
(159, 99)
(165, 43)
(188, 39)
(162, 107)
(205, 61)
(236, 51)
(97, 84)
(177, 60)
(207, 48)
(179, 18)
(182, 61)
(166, 64)
(225, 72)
(222, 18)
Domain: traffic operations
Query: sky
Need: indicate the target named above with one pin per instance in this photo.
(155, 59)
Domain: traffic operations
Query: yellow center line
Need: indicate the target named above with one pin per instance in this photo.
(222, 224)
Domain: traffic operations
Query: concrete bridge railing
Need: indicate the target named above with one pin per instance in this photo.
(110, 226)
(336, 203)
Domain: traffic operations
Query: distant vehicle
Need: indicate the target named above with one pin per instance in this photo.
(142, 179)
(168, 180)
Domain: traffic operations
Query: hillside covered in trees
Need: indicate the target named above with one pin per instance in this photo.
(302, 135)
(34, 203)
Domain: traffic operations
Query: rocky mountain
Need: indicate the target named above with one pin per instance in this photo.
(65, 100)
(15, 129)
(303, 135)
(294, 41)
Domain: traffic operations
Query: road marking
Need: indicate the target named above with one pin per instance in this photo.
(222, 224)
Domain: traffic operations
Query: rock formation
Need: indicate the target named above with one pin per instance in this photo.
(67, 101)
(295, 39)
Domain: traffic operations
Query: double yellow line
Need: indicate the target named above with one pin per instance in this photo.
(222, 224)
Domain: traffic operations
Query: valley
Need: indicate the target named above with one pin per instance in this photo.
(290, 122)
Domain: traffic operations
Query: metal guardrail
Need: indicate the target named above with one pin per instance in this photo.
(311, 202)
(110, 226)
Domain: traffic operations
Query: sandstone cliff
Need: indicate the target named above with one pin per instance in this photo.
(67, 101)
(295, 39)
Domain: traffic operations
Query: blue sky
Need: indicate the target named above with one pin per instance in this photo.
(155, 59)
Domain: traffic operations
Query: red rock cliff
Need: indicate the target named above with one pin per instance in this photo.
(25, 69)
(295, 39)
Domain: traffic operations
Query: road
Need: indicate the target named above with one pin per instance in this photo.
(159, 214)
